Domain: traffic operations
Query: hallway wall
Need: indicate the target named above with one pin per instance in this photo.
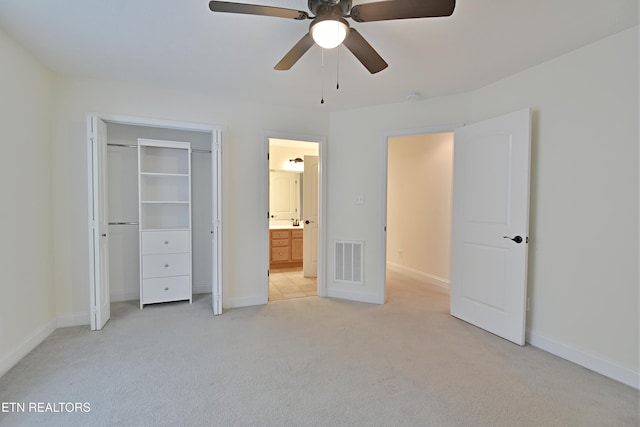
(419, 191)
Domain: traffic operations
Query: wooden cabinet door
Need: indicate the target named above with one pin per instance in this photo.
(297, 246)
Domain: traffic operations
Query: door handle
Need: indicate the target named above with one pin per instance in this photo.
(308, 222)
(516, 239)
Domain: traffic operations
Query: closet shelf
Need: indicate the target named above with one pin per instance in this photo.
(167, 202)
(185, 175)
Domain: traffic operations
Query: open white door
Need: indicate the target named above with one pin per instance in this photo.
(216, 226)
(310, 211)
(99, 239)
(491, 224)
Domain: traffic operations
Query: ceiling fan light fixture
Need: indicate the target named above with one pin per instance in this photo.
(329, 32)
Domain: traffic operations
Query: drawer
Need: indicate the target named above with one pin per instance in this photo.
(279, 242)
(280, 254)
(166, 289)
(297, 234)
(165, 242)
(279, 234)
(166, 265)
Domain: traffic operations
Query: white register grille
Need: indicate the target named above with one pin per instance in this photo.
(349, 261)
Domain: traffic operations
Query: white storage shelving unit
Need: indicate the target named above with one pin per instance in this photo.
(164, 192)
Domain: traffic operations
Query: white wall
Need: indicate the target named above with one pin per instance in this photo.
(583, 279)
(419, 191)
(27, 311)
(242, 157)
(356, 159)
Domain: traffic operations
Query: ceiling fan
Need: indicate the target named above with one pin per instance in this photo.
(329, 27)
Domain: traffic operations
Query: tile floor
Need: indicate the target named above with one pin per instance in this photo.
(285, 283)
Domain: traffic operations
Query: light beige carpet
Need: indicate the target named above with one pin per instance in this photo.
(307, 362)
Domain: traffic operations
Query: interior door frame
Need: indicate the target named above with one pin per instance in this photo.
(322, 183)
(216, 133)
(383, 185)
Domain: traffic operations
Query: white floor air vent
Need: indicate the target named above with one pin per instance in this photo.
(349, 258)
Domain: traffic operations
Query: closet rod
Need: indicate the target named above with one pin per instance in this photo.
(197, 150)
(121, 145)
(123, 223)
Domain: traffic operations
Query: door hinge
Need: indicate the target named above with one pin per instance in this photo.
(267, 273)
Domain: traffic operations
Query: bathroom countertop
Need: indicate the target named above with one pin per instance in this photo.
(285, 227)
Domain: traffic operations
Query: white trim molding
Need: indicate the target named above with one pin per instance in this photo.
(580, 357)
(26, 346)
(418, 275)
(368, 297)
(73, 319)
(237, 302)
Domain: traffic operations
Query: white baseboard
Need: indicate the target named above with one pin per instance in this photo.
(125, 295)
(354, 295)
(73, 319)
(419, 275)
(27, 345)
(597, 364)
(202, 288)
(237, 302)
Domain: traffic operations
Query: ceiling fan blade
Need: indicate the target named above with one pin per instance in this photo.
(402, 9)
(296, 52)
(366, 54)
(254, 9)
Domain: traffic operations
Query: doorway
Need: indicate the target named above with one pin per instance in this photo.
(114, 222)
(294, 230)
(419, 207)
(489, 224)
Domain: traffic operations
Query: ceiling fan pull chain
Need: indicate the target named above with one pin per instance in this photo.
(338, 69)
(322, 78)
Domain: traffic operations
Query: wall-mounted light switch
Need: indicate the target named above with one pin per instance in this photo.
(359, 199)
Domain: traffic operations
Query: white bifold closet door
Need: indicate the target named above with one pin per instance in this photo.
(100, 300)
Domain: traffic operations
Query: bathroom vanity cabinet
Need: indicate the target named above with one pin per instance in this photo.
(285, 246)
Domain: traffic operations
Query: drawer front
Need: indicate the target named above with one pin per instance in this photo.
(165, 242)
(166, 289)
(297, 234)
(280, 254)
(279, 243)
(166, 265)
(279, 234)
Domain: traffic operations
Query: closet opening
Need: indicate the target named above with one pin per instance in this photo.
(154, 191)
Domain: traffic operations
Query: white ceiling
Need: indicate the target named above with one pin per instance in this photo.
(182, 45)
